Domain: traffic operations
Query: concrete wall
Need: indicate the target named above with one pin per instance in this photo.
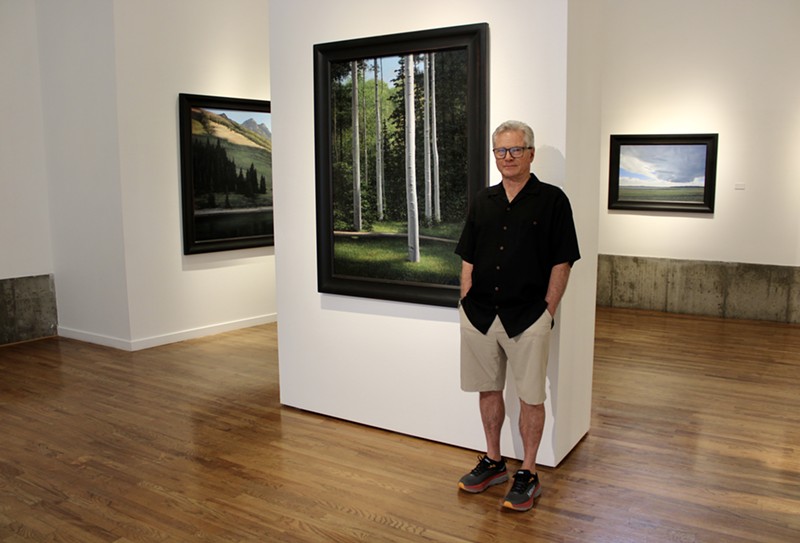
(27, 308)
(717, 289)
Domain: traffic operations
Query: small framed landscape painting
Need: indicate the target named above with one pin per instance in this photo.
(663, 172)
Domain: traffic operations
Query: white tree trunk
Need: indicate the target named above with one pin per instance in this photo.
(364, 123)
(437, 208)
(426, 108)
(356, 152)
(411, 174)
(378, 146)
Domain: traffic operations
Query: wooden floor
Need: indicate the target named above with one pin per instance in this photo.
(695, 437)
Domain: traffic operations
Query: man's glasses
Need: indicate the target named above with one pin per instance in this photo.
(516, 152)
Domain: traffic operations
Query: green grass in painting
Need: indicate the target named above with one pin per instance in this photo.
(450, 231)
(666, 194)
(237, 201)
(386, 258)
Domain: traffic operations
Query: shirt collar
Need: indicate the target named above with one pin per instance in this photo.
(530, 187)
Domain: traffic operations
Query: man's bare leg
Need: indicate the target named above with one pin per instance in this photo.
(493, 414)
(531, 426)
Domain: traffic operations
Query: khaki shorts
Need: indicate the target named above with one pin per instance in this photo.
(484, 358)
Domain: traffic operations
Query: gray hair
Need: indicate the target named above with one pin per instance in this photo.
(515, 126)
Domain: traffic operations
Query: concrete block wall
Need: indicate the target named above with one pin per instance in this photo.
(27, 309)
(718, 289)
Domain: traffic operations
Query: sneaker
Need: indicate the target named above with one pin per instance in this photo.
(486, 473)
(525, 489)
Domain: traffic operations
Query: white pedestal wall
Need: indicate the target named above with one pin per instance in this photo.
(396, 365)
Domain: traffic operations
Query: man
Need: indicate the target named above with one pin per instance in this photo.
(517, 248)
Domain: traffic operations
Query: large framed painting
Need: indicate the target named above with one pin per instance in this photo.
(226, 173)
(401, 130)
(663, 172)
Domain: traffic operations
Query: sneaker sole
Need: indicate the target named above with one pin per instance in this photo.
(498, 479)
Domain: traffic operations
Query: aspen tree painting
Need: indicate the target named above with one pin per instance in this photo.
(401, 145)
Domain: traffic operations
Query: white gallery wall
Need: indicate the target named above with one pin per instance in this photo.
(25, 248)
(79, 105)
(395, 365)
(90, 180)
(697, 66)
(111, 73)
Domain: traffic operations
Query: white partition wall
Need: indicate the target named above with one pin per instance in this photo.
(110, 77)
(395, 365)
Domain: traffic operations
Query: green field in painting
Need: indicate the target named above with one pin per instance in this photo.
(385, 257)
(661, 194)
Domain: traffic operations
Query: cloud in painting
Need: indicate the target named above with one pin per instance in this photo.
(662, 165)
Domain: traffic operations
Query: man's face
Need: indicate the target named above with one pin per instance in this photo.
(517, 169)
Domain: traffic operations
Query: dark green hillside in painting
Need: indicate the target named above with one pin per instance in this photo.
(232, 163)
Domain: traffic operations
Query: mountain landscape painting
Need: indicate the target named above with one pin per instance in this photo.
(228, 204)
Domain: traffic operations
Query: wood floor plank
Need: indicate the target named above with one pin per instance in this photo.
(694, 438)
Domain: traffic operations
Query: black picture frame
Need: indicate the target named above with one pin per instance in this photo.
(378, 276)
(663, 172)
(226, 173)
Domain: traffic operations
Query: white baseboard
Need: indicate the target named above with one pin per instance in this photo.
(173, 337)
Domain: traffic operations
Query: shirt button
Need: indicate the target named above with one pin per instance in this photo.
(502, 248)
(497, 289)
(505, 227)
(497, 268)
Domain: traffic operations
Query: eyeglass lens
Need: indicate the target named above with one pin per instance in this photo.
(516, 152)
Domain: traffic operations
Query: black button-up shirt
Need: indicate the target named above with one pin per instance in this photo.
(513, 247)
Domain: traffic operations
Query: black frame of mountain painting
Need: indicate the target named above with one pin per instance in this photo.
(242, 228)
(367, 281)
